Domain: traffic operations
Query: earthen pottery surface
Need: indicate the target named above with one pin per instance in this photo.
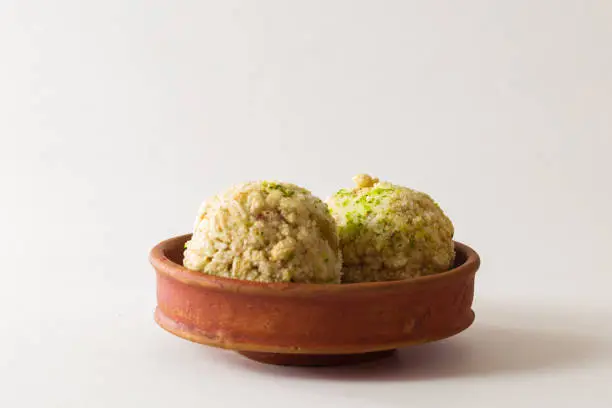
(311, 324)
(316, 360)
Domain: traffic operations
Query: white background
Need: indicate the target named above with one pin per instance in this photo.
(117, 118)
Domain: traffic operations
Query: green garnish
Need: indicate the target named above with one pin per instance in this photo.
(343, 192)
(380, 191)
(270, 186)
(354, 222)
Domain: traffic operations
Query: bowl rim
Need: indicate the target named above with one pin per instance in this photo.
(163, 265)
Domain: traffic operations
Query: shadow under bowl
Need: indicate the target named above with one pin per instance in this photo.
(311, 324)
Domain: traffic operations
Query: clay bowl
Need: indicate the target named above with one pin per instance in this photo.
(309, 324)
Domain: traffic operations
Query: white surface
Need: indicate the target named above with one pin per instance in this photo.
(118, 117)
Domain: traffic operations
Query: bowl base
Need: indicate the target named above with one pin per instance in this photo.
(315, 360)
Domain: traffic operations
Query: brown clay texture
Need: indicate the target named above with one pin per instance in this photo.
(315, 360)
(310, 319)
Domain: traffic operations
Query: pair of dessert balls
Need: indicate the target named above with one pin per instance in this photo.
(279, 232)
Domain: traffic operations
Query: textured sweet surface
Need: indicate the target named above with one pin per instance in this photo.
(265, 231)
(390, 232)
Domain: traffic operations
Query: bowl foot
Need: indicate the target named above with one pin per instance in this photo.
(315, 360)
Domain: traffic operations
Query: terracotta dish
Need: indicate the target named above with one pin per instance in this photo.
(310, 324)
